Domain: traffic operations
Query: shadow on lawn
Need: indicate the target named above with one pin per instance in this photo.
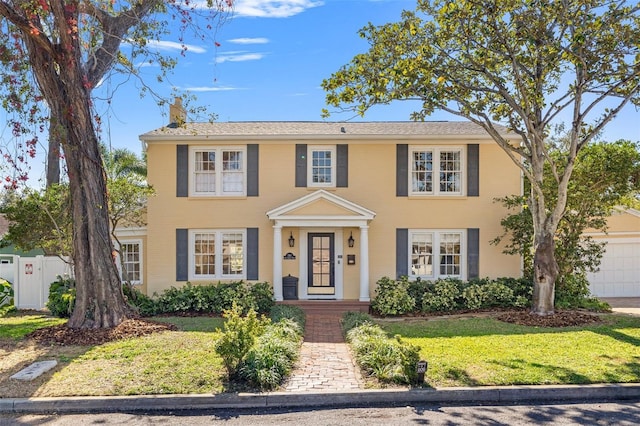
(19, 354)
(561, 374)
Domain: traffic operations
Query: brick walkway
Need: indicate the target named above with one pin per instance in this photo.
(325, 362)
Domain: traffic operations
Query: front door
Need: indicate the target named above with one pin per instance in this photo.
(321, 275)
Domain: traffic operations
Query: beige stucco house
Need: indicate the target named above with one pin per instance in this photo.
(336, 206)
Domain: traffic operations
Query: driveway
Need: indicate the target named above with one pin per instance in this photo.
(628, 305)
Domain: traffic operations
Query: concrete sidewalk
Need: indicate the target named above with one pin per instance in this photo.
(360, 398)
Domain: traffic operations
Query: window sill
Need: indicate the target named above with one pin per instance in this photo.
(438, 197)
(217, 197)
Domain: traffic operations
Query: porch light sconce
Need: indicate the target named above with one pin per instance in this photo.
(292, 241)
(351, 241)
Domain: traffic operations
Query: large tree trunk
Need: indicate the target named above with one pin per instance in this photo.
(99, 299)
(545, 272)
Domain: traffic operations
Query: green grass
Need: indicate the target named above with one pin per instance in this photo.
(166, 363)
(479, 352)
(203, 324)
(16, 325)
(177, 362)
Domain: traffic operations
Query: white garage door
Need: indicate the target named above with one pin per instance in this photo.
(619, 274)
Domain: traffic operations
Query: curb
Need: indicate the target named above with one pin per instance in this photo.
(440, 396)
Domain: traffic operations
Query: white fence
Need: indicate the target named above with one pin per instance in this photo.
(31, 278)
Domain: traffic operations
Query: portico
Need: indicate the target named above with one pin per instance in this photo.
(324, 239)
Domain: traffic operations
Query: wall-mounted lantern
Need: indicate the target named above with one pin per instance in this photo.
(292, 241)
(351, 241)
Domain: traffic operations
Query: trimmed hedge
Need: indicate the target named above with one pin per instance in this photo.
(400, 297)
(209, 299)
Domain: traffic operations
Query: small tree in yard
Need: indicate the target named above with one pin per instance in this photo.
(53, 54)
(526, 64)
(606, 175)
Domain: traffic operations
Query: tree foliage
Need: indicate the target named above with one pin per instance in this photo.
(42, 219)
(39, 220)
(606, 176)
(523, 64)
(53, 56)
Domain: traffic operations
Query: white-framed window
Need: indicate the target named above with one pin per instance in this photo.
(130, 261)
(436, 170)
(218, 171)
(321, 165)
(437, 253)
(217, 253)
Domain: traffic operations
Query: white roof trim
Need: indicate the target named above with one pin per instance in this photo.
(131, 232)
(632, 212)
(360, 213)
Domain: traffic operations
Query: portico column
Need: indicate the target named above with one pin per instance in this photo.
(277, 263)
(364, 263)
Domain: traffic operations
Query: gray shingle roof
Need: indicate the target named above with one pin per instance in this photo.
(311, 129)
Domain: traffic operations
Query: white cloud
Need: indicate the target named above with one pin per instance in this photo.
(248, 40)
(209, 89)
(273, 8)
(264, 8)
(172, 45)
(238, 57)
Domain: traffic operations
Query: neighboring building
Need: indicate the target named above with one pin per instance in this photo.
(337, 205)
(619, 274)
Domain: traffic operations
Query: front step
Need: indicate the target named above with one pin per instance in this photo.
(328, 307)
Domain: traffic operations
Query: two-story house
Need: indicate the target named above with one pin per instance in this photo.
(336, 205)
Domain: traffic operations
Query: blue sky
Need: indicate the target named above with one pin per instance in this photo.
(272, 57)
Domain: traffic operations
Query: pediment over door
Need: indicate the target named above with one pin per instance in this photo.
(322, 208)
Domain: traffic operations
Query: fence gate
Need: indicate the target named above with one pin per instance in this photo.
(35, 275)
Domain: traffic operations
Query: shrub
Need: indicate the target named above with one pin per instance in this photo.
(522, 287)
(272, 357)
(354, 319)
(595, 304)
(417, 289)
(295, 313)
(145, 305)
(176, 299)
(261, 295)
(6, 293)
(392, 297)
(238, 336)
(216, 298)
(445, 295)
(486, 294)
(389, 360)
(62, 297)
(571, 291)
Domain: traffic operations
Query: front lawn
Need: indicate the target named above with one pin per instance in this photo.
(484, 351)
(181, 361)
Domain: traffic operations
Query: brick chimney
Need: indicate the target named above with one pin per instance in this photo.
(177, 113)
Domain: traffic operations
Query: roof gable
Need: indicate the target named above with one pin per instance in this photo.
(321, 204)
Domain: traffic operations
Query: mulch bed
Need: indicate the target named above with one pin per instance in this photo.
(63, 335)
(558, 319)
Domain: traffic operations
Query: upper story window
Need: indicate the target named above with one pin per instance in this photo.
(436, 170)
(219, 171)
(322, 166)
(436, 254)
(217, 254)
